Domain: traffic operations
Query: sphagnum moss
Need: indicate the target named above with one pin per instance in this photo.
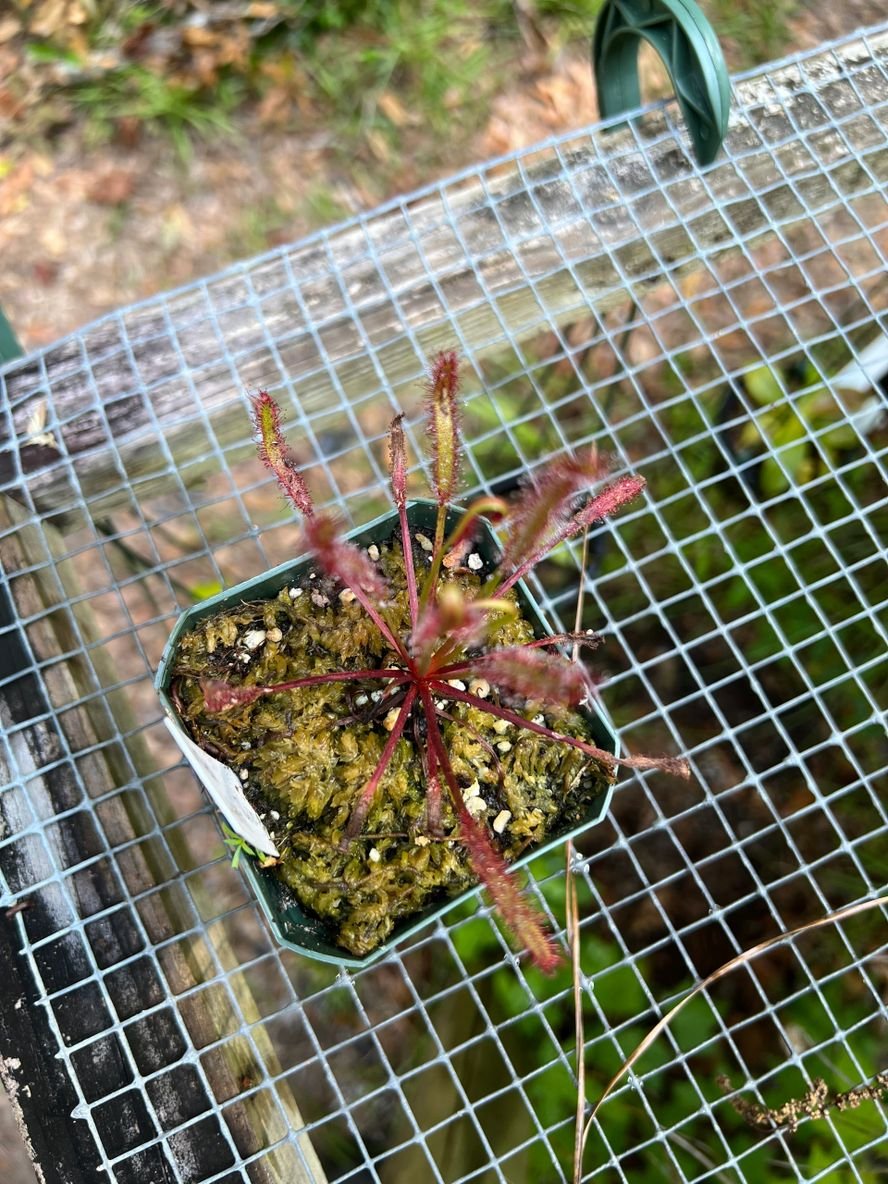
(304, 755)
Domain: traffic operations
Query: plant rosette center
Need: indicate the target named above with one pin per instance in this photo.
(305, 754)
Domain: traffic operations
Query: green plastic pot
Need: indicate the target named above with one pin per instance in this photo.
(290, 923)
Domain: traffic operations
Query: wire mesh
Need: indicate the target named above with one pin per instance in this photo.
(704, 328)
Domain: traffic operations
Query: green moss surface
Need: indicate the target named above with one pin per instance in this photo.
(304, 755)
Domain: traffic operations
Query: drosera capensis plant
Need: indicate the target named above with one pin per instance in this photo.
(446, 658)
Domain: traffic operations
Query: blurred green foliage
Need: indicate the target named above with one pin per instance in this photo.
(783, 432)
(752, 31)
(686, 1101)
(180, 110)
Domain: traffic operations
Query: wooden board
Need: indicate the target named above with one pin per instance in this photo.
(49, 1104)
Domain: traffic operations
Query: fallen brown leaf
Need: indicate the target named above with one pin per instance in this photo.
(9, 28)
(205, 65)
(45, 272)
(378, 145)
(393, 109)
(135, 45)
(128, 131)
(199, 35)
(52, 19)
(10, 105)
(112, 187)
(276, 106)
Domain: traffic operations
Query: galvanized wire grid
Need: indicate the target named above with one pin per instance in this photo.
(744, 604)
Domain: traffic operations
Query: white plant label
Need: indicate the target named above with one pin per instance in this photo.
(224, 787)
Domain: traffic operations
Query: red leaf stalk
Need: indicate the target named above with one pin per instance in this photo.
(221, 696)
(365, 799)
(398, 470)
(459, 539)
(275, 453)
(667, 764)
(520, 917)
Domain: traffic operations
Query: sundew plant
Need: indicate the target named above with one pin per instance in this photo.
(446, 657)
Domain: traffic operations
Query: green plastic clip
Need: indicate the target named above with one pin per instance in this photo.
(684, 39)
(9, 346)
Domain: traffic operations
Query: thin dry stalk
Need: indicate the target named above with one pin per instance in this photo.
(572, 919)
(739, 960)
(572, 924)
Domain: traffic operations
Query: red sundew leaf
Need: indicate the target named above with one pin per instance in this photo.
(616, 495)
(398, 461)
(549, 678)
(220, 695)
(443, 409)
(608, 501)
(350, 565)
(342, 559)
(275, 454)
(518, 914)
(588, 639)
(542, 509)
